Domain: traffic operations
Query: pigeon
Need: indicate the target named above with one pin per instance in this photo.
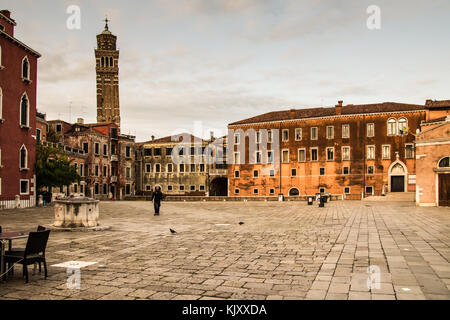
(173, 231)
(241, 223)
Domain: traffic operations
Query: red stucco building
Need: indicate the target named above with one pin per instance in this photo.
(18, 83)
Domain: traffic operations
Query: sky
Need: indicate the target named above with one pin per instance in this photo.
(203, 64)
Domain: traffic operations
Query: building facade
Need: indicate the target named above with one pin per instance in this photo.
(433, 156)
(18, 85)
(354, 151)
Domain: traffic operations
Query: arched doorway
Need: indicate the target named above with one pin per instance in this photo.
(397, 177)
(294, 192)
(219, 187)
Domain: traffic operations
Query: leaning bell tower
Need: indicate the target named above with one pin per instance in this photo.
(107, 69)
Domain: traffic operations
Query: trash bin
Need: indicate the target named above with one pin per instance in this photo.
(322, 201)
(280, 197)
(310, 201)
(325, 199)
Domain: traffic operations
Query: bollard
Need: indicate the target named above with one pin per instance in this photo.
(17, 202)
(40, 201)
(310, 201)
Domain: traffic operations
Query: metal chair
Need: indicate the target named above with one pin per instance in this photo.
(34, 252)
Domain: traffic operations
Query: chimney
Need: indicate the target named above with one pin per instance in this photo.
(339, 108)
(153, 138)
(6, 13)
(80, 121)
(212, 135)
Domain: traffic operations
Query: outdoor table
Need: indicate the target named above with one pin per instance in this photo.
(4, 237)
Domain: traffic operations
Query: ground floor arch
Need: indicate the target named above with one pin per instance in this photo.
(219, 187)
(398, 174)
(294, 192)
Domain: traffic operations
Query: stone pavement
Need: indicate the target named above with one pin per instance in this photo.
(283, 251)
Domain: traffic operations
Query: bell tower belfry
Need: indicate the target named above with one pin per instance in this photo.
(107, 69)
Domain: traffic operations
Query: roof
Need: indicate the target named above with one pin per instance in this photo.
(438, 104)
(437, 120)
(4, 14)
(20, 44)
(174, 138)
(294, 114)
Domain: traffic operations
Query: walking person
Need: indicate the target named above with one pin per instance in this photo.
(156, 198)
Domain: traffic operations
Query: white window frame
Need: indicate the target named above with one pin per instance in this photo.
(129, 193)
(304, 150)
(160, 168)
(182, 188)
(28, 78)
(169, 171)
(283, 137)
(332, 132)
(237, 191)
(148, 166)
(349, 190)
(343, 172)
(27, 125)
(373, 190)
(255, 191)
(202, 187)
(406, 150)
(388, 157)
(26, 158)
(374, 152)
(237, 139)
(257, 173)
(237, 155)
(282, 155)
(394, 131)
(370, 134)
(334, 156)
(349, 153)
(311, 154)
(344, 136)
(256, 157)
(270, 136)
(317, 133)
(238, 175)
(258, 137)
(296, 172)
(190, 188)
(398, 125)
(370, 174)
(269, 159)
(28, 187)
(298, 132)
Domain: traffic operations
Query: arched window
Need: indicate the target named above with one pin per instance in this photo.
(444, 163)
(111, 62)
(25, 69)
(103, 62)
(107, 62)
(402, 126)
(24, 110)
(392, 126)
(294, 192)
(1, 103)
(23, 158)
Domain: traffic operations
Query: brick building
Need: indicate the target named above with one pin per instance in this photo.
(354, 151)
(18, 85)
(433, 156)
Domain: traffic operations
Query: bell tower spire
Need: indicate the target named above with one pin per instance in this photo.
(107, 70)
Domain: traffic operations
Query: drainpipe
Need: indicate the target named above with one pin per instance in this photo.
(280, 138)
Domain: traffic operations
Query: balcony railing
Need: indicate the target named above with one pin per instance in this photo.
(113, 179)
(218, 172)
(114, 158)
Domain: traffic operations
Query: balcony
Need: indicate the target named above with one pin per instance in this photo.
(113, 179)
(218, 172)
(114, 158)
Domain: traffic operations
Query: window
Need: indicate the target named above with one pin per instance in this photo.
(24, 110)
(237, 158)
(314, 154)
(347, 190)
(169, 188)
(345, 131)
(1, 99)
(298, 134)
(285, 156)
(255, 173)
(128, 189)
(128, 173)
(81, 189)
(285, 135)
(301, 155)
(330, 154)
(258, 157)
(181, 188)
(169, 167)
(258, 137)
(370, 152)
(322, 171)
(24, 187)
(236, 191)
(105, 171)
(322, 190)
(392, 127)
(105, 149)
(97, 148)
(58, 128)
(181, 168)
(345, 153)
(402, 126)
(147, 152)
(128, 151)
(409, 150)
(370, 170)
(237, 138)
(157, 152)
(346, 170)
(272, 173)
(96, 188)
(105, 189)
(38, 134)
(255, 191)
(148, 168)
(293, 172)
(444, 163)
(369, 190)
(148, 188)
(25, 69)
(23, 158)
(237, 174)
(96, 171)
(269, 136)
(272, 191)
(169, 152)
(270, 156)
(386, 152)
(86, 147)
(202, 188)
(81, 170)
(192, 188)
(75, 188)
(158, 168)
(371, 130)
(330, 132)
(314, 133)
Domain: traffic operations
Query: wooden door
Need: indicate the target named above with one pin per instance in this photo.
(444, 190)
